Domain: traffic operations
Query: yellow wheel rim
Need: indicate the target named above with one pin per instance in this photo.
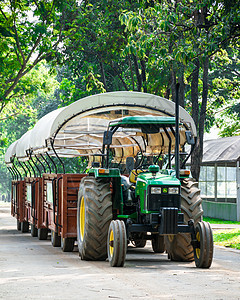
(111, 247)
(198, 251)
(82, 218)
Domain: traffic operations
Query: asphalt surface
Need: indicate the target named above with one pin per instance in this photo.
(33, 269)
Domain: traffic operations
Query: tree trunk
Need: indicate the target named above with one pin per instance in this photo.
(181, 88)
(144, 80)
(198, 151)
(173, 85)
(103, 75)
(139, 78)
(195, 158)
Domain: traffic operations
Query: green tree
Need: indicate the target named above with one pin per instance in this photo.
(31, 31)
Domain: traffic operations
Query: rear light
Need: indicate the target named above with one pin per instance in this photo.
(185, 172)
(103, 171)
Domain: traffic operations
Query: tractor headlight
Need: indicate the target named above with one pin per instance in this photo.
(156, 190)
(173, 190)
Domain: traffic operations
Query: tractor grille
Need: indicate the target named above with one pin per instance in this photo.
(157, 201)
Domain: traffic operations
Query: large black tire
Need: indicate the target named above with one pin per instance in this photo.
(179, 246)
(93, 218)
(158, 245)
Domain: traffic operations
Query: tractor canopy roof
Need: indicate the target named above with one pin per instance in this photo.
(77, 129)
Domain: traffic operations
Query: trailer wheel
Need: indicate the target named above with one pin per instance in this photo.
(158, 245)
(67, 244)
(24, 227)
(42, 233)
(19, 225)
(34, 231)
(55, 239)
(204, 253)
(179, 246)
(117, 243)
(93, 218)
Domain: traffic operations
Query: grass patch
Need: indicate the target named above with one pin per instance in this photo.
(227, 238)
(219, 221)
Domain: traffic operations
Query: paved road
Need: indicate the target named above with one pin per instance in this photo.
(33, 269)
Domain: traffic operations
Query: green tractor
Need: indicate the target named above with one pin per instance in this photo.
(151, 201)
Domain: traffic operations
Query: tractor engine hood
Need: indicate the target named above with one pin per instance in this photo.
(158, 179)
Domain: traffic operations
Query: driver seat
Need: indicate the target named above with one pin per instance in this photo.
(134, 174)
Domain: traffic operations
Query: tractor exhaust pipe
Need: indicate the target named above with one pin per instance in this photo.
(177, 141)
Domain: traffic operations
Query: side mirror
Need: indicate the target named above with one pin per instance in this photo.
(107, 137)
(190, 138)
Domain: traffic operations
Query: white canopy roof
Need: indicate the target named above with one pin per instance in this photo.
(78, 128)
(11, 152)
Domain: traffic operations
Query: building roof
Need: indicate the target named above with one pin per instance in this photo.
(222, 150)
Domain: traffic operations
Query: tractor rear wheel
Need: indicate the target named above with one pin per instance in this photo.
(204, 253)
(179, 246)
(117, 243)
(93, 218)
(67, 244)
(158, 245)
(55, 239)
(34, 231)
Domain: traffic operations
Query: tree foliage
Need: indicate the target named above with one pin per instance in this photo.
(31, 31)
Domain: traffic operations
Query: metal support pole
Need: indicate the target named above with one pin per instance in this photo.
(61, 162)
(27, 168)
(49, 167)
(34, 173)
(238, 191)
(36, 166)
(177, 140)
(18, 175)
(23, 168)
(55, 167)
(11, 172)
(40, 164)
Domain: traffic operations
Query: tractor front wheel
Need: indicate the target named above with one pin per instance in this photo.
(179, 246)
(203, 253)
(93, 218)
(117, 243)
